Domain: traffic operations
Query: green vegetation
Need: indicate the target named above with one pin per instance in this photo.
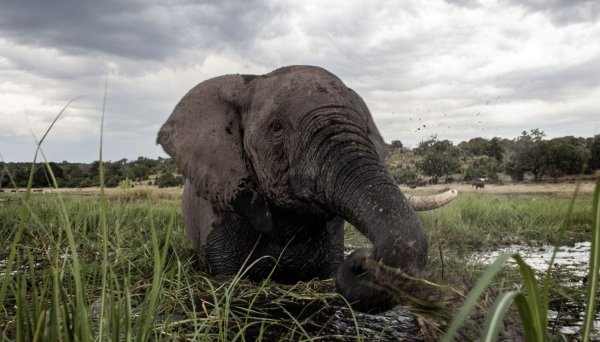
(440, 158)
(81, 175)
(556, 157)
(120, 267)
(66, 277)
(482, 167)
(168, 179)
(526, 156)
(532, 300)
(480, 221)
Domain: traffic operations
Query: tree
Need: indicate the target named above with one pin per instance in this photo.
(563, 156)
(528, 154)
(138, 171)
(117, 168)
(594, 162)
(396, 144)
(482, 167)
(475, 146)
(440, 158)
(515, 171)
(3, 175)
(495, 149)
(20, 176)
(42, 177)
(402, 174)
(555, 157)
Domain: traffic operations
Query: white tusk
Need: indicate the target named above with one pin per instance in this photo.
(422, 203)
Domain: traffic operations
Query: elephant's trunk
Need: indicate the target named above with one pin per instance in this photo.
(354, 183)
(370, 200)
(377, 208)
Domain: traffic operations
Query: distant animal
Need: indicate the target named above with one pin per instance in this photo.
(478, 183)
(417, 182)
(274, 164)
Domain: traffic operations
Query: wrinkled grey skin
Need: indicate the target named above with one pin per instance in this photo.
(274, 165)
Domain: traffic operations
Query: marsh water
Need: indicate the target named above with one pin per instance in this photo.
(573, 259)
(570, 264)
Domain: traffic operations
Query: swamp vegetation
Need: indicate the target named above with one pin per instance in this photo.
(117, 266)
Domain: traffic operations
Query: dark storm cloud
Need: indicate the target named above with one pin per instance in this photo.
(456, 65)
(563, 12)
(132, 29)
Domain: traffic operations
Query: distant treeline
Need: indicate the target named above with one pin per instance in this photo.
(79, 175)
(528, 154)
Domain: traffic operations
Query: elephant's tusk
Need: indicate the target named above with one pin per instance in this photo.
(422, 203)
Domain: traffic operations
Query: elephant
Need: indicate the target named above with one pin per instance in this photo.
(274, 166)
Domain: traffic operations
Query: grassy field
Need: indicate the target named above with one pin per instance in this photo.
(119, 267)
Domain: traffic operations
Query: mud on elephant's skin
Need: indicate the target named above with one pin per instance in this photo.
(274, 164)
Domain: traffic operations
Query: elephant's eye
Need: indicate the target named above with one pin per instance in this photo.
(275, 127)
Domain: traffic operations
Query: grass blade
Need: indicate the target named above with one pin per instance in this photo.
(538, 311)
(39, 145)
(482, 283)
(593, 275)
(151, 307)
(496, 315)
(526, 318)
(103, 224)
(561, 233)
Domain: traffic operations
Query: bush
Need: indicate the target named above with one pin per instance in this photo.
(167, 179)
(88, 182)
(403, 175)
(126, 183)
(440, 158)
(112, 181)
(515, 171)
(482, 167)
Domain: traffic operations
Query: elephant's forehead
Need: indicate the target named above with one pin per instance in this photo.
(295, 94)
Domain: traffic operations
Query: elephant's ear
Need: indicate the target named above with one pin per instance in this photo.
(204, 137)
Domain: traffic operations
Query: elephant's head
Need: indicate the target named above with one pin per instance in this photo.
(296, 138)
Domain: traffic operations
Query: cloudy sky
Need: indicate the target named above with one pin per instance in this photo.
(458, 69)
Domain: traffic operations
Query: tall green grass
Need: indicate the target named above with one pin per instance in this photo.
(532, 299)
(138, 281)
(101, 268)
(481, 220)
(117, 266)
(151, 289)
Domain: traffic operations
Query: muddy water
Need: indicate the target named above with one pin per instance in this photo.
(337, 323)
(570, 264)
